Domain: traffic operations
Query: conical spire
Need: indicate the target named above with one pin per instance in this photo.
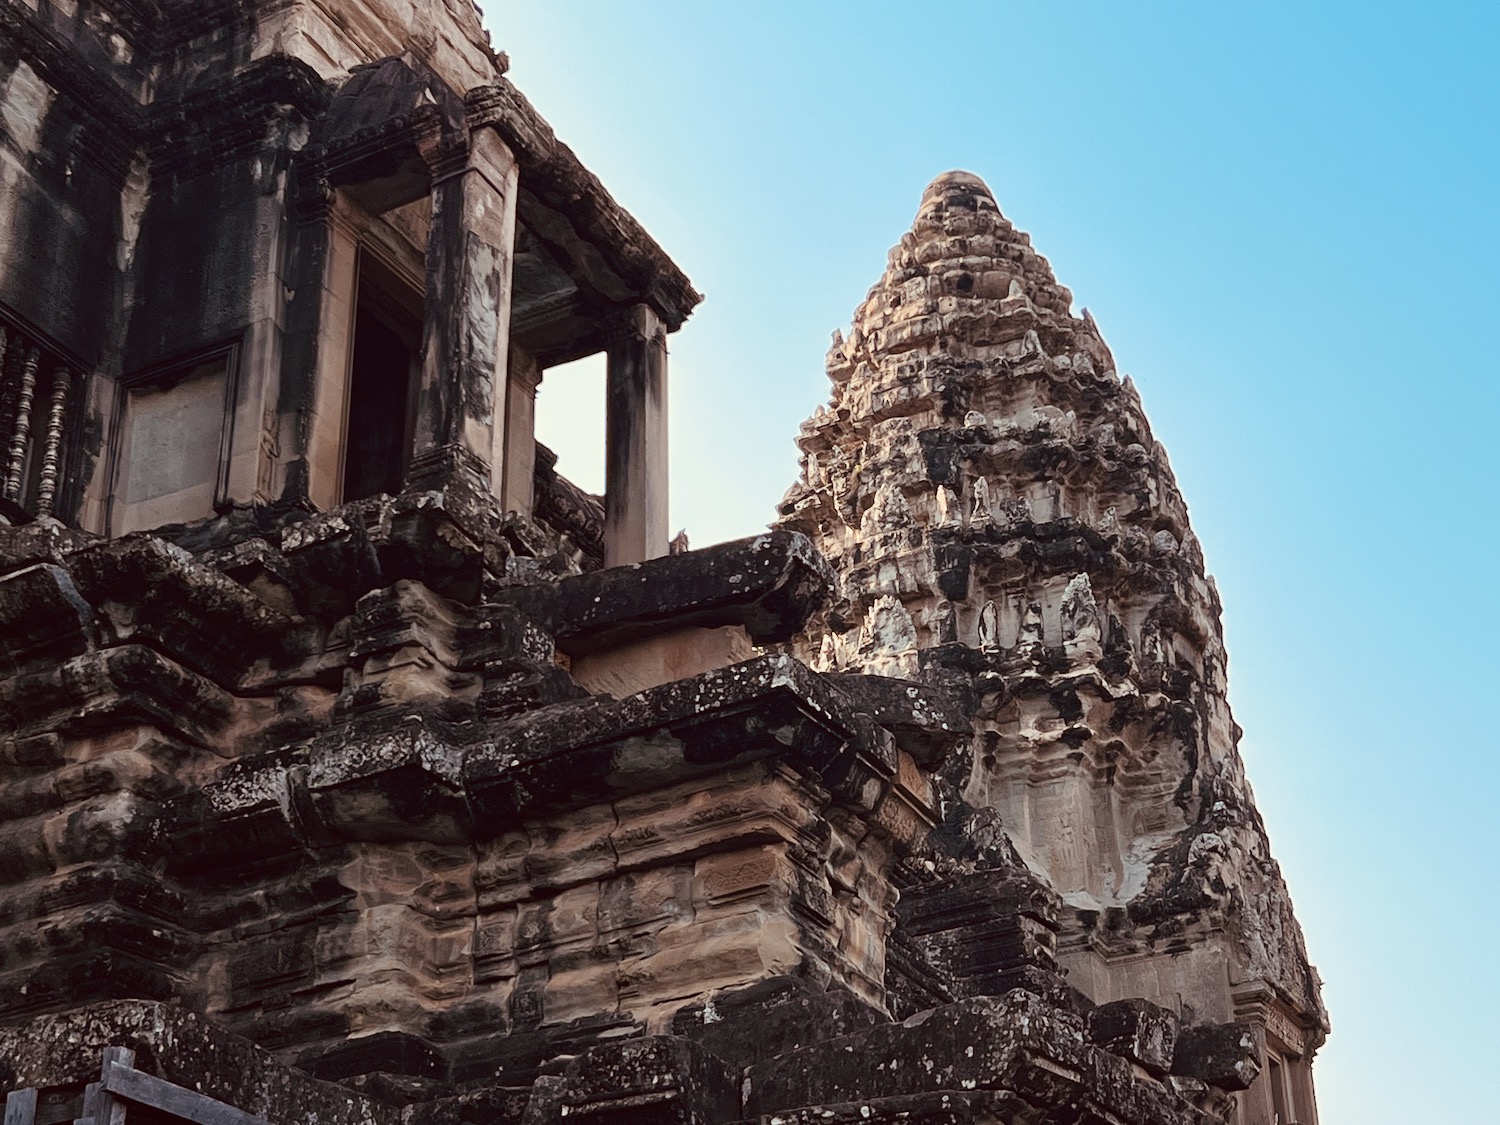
(964, 282)
(963, 275)
(1044, 559)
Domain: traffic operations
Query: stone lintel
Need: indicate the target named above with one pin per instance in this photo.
(1226, 1055)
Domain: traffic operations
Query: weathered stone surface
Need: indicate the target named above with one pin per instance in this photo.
(1003, 524)
(1138, 1029)
(983, 934)
(62, 1052)
(351, 747)
(391, 838)
(42, 617)
(673, 654)
(1228, 1056)
(926, 720)
(656, 1081)
(1016, 1044)
(768, 584)
(746, 1025)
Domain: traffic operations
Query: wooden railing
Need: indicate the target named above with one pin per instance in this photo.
(120, 1090)
(38, 386)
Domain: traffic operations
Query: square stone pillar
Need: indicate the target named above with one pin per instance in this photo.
(519, 433)
(466, 330)
(635, 456)
(333, 341)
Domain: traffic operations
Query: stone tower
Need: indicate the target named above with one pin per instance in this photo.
(1001, 520)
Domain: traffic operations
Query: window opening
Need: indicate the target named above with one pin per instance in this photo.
(570, 420)
(383, 380)
(1283, 1096)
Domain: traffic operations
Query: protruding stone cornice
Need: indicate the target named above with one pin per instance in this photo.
(552, 174)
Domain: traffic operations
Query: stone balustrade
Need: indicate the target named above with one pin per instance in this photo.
(37, 392)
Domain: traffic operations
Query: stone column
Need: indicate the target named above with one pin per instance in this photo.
(635, 456)
(333, 340)
(519, 433)
(466, 334)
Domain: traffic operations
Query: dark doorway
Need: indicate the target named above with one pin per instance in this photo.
(382, 382)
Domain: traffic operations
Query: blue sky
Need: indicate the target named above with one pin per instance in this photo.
(1283, 218)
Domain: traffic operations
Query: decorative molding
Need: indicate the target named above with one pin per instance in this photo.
(112, 119)
(1261, 1003)
(567, 509)
(435, 468)
(556, 179)
(203, 128)
(637, 322)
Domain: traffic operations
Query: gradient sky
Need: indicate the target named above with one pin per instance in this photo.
(1283, 218)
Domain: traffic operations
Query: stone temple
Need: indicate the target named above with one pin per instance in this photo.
(357, 768)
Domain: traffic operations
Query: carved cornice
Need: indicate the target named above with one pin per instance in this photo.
(182, 21)
(638, 322)
(447, 158)
(566, 508)
(111, 118)
(552, 173)
(501, 106)
(207, 126)
(556, 308)
(197, 130)
(420, 128)
(1265, 1004)
(140, 20)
